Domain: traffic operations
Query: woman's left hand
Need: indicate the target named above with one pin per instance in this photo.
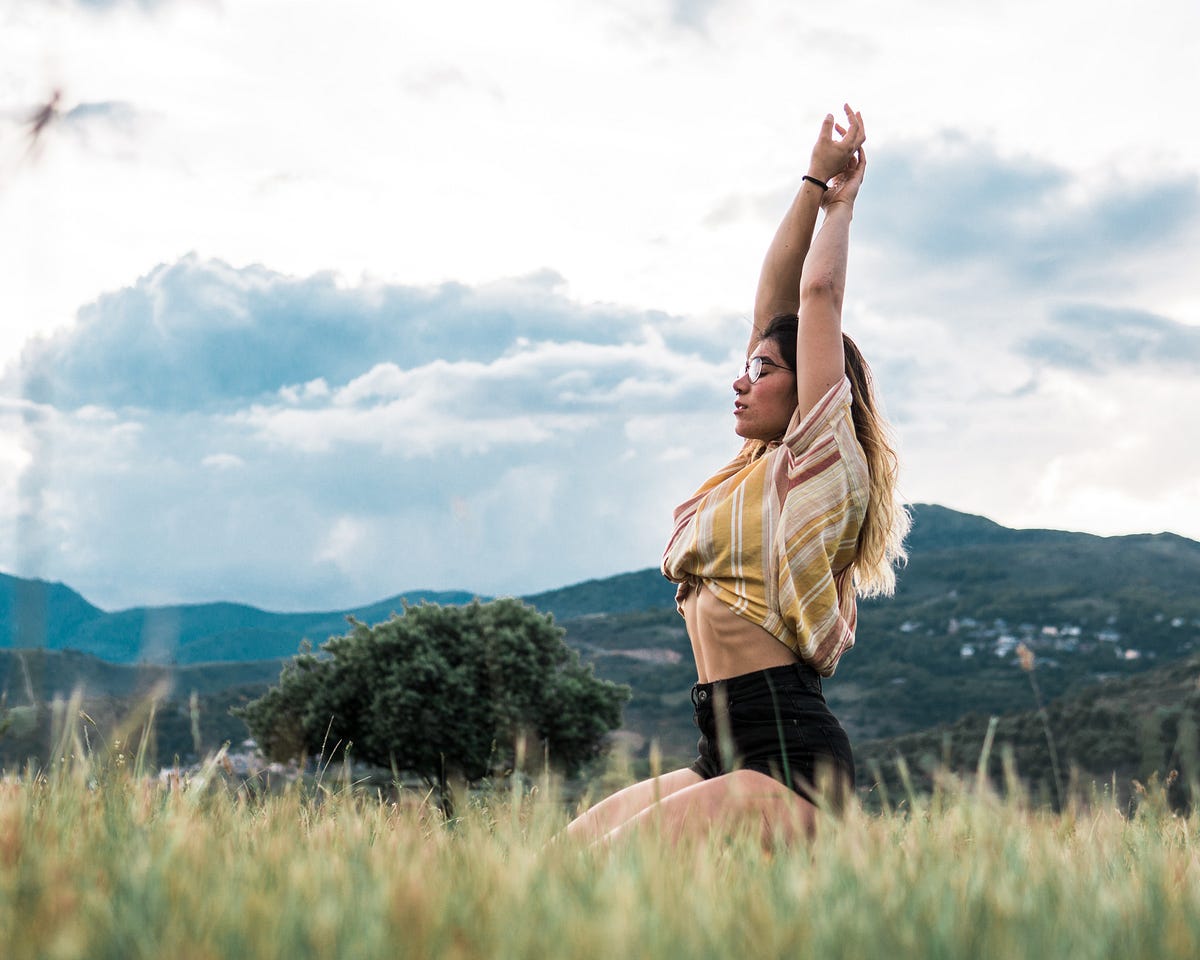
(844, 187)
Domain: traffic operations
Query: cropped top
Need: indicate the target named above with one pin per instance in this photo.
(773, 533)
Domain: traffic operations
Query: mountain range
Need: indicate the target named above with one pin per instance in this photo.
(1088, 608)
(961, 565)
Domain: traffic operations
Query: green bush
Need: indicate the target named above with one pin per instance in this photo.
(440, 691)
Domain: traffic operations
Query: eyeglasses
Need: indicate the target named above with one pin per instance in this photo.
(754, 366)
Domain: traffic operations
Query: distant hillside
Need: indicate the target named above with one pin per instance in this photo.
(1090, 607)
(35, 614)
(1132, 728)
(624, 593)
(48, 674)
(937, 528)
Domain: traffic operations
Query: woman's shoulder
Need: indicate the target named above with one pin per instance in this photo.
(808, 425)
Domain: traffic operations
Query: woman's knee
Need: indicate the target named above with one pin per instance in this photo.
(630, 802)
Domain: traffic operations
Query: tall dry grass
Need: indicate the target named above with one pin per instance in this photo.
(97, 861)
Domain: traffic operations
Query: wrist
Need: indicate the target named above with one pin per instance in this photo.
(816, 179)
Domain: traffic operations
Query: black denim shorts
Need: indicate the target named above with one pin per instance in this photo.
(774, 721)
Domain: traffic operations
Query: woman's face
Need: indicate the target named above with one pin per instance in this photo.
(763, 409)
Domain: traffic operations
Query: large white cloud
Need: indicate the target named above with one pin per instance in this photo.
(239, 433)
(198, 333)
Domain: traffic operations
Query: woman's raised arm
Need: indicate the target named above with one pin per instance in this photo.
(779, 281)
(820, 357)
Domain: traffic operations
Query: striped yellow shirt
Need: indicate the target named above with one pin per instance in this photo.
(773, 532)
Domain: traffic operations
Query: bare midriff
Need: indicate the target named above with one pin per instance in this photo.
(724, 644)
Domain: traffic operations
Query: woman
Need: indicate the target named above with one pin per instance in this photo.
(771, 551)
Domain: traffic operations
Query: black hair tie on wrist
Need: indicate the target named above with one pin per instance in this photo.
(820, 183)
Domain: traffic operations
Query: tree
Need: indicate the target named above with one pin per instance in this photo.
(442, 690)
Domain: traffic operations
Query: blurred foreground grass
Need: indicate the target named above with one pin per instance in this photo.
(97, 862)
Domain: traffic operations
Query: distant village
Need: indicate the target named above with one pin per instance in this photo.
(1001, 639)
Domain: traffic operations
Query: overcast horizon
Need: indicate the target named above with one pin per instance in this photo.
(310, 305)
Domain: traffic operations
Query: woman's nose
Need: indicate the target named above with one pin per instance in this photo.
(742, 383)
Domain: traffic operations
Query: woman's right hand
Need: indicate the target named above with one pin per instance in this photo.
(832, 158)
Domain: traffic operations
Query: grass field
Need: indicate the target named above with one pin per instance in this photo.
(97, 862)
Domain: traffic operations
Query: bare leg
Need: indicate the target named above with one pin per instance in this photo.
(614, 810)
(729, 801)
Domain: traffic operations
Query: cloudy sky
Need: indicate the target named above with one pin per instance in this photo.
(307, 303)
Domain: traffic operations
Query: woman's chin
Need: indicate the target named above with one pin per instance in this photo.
(747, 431)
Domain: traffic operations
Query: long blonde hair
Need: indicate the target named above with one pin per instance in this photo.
(887, 522)
(881, 538)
